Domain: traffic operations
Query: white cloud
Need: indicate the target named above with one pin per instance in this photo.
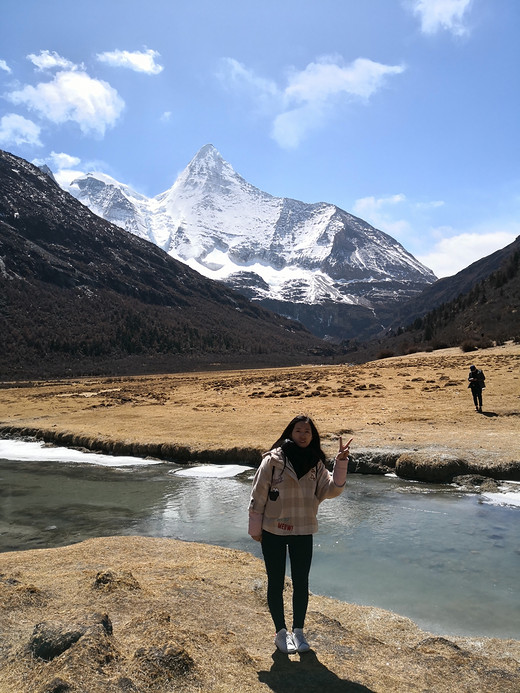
(62, 169)
(65, 176)
(380, 213)
(264, 92)
(73, 96)
(140, 61)
(48, 60)
(291, 127)
(445, 250)
(66, 167)
(436, 15)
(459, 250)
(324, 79)
(311, 94)
(15, 129)
(317, 88)
(4, 66)
(434, 204)
(371, 205)
(59, 160)
(166, 117)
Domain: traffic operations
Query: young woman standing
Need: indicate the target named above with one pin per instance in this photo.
(288, 487)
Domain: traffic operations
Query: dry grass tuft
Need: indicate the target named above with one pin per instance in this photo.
(199, 622)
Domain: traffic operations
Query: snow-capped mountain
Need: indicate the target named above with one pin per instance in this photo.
(78, 295)
(314, 262)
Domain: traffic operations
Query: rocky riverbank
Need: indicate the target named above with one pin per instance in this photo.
(126, 614)
(430, 465)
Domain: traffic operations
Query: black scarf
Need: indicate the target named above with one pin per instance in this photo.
(302, 459)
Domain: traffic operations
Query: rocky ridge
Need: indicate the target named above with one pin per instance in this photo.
(314, 262)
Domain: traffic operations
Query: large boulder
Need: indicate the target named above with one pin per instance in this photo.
(429, 466)
(51, 638)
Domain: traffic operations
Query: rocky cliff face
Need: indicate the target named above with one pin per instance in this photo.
(314, 262)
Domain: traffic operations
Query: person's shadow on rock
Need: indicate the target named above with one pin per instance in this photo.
(307, 674)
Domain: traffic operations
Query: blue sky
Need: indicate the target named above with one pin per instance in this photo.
(403, 112)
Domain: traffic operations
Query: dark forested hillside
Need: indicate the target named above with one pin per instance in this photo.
(448, 289)
(481, 307)
(79, 295)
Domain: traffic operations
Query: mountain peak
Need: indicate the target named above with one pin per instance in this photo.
(208, 157)
(83, 296)
(207, 169)
(45, 169)
(208, 150)
(281, 252)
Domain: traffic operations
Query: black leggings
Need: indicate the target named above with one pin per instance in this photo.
(274, 549)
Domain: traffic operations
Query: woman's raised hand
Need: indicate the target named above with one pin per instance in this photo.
(343, 449)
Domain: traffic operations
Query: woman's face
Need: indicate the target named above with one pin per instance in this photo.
(302, 434)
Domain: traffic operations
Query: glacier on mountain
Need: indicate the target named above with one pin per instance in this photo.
(278, 251)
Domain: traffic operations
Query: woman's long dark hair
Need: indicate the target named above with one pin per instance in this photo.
(314, 445)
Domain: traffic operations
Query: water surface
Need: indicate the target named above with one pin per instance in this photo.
(446, 559)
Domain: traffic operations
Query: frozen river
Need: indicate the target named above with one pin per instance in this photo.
(446, 559)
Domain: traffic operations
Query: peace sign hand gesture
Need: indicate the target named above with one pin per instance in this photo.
(343, 449)
(339, 475)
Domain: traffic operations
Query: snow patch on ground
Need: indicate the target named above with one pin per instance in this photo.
(23, 451)
(27, 451)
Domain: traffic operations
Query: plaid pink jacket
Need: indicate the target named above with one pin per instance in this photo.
(294, 510)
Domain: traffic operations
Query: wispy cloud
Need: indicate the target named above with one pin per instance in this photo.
(49, 60)
(73, 96)
(449, 249)
(311, 95)
(15, 129)
(456, 250)
(139, 61)
(4, 66)
(433, 204)
(382, 212)
(439, 15)
(264, 92)
(372, 205)
(327, 77)
(59, 160)
(66, 168)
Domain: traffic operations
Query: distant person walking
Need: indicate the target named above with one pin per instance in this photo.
(288, 487)
(476, 383)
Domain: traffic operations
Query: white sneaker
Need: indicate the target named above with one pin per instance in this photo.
(284, 642)
(300, 641)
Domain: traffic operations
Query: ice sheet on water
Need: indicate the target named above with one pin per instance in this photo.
(506, 498)
(213, 470)
(27, 451)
